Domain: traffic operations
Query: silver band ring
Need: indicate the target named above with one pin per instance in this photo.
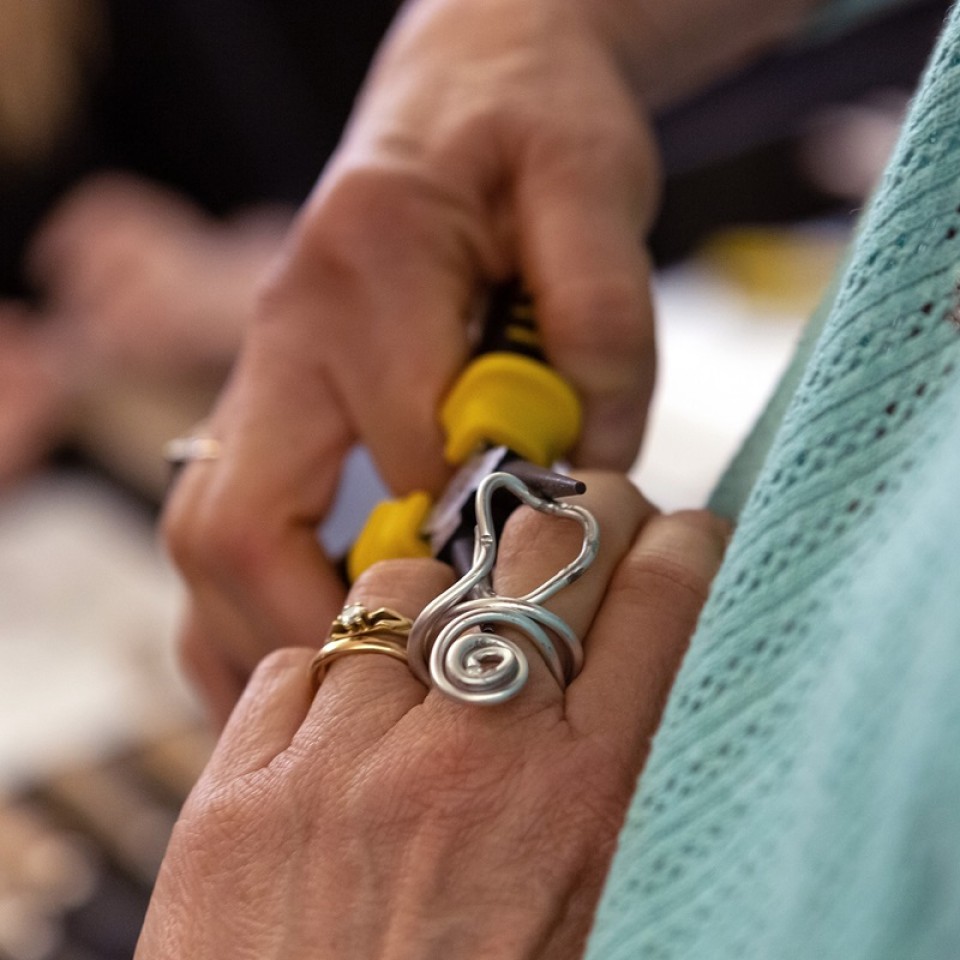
(183, 450)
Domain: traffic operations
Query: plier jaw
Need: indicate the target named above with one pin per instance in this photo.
(450, 526)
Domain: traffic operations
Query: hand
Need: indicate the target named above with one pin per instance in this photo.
(37, 389)
(376, 819)
(493, 137)
(151, 284)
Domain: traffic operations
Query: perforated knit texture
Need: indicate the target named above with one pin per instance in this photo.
(802, 799)
(833, 17)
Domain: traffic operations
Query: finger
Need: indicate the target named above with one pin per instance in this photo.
(391, 260)
(534, 546)
(34, 390)
(218, 680)
(642, 631)
(366, 694)
(267, 715)
(582, 215)
(597, 323)
(242, 528)
(79, 241)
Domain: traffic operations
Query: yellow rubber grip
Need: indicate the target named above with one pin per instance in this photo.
(392, 531)
(506, 399)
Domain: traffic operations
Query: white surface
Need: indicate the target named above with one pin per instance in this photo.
(720, 357)
(87, 608)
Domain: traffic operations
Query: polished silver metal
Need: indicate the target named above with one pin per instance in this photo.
(453, 644)
(197, 445)
(183, 450)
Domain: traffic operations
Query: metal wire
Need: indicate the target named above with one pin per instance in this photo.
(453, 644)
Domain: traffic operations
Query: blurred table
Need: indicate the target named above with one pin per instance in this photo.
(721, 353)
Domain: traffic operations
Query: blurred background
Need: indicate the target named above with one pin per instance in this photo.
(150, 157)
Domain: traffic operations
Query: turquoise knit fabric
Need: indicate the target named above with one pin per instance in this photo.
(834, 17)
(802, 798)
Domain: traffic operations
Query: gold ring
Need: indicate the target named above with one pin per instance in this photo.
(334, 649)
(355, 620)
(359, 630)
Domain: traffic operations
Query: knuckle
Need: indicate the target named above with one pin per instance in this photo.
(618, 149)
(209, 536)
(480, 125)
(703, 524)
(661, 578)
(359, 211)
(280, 663)
(400, 571)
(599, 323)
(380, 216)
(339, 236)
(210, 808)
(222, 817)
(345, 205)
(436, 780)
(602, 148)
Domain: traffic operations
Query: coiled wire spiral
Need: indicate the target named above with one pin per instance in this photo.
(452, 644)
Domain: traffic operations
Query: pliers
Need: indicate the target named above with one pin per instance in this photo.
(510, 412)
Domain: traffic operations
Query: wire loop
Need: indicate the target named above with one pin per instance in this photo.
(454, 645)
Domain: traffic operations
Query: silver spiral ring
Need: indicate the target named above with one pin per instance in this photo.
(453, 643)
(486, 667)
(480, 668)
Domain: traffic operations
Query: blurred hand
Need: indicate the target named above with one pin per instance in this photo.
(151, 284)
(494, 137)
(38, 383)
(377, 819)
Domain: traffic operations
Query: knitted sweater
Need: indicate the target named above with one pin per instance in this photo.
(802, 798)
